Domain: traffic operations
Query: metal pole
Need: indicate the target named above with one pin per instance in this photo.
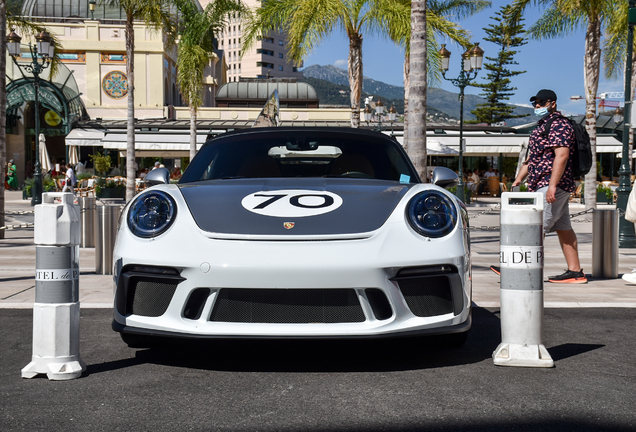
(460, 183)
(37, 175)
(627, 237)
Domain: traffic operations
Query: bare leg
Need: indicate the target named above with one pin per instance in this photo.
(570, 249)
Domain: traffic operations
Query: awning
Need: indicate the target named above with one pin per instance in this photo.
(486, 144)
(608, 144)
(85, 137)
(146, 145)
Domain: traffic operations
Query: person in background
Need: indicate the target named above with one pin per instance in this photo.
(143, 172)
(12, 174)
(79, 168)
(70, 180)
(157, 165)
(490, 173)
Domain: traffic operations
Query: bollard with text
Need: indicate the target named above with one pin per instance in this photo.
(56, 311)
(521, 263)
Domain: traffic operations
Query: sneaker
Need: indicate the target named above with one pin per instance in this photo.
(569, 277)
(496, 270)
(630, 277)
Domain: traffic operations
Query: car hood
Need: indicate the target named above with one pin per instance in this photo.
(292, 206)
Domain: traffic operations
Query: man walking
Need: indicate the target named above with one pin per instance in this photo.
(549, 171)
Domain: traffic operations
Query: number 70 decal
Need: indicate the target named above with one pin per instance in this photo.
(291, 203)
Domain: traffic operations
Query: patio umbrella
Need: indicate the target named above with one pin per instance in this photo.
(45, 160)
(523, 155)
(72, 155)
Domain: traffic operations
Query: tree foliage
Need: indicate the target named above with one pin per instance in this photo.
(498, 86)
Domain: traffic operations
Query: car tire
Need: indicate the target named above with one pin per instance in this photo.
(139, 341)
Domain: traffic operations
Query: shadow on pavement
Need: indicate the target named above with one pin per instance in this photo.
(564, 351)
(368, 355)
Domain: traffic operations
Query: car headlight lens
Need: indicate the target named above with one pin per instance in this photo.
(432, 214)
(151, 214)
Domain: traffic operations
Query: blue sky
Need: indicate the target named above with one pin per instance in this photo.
(555, 64)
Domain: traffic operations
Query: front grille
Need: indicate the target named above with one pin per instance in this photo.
(287, 306)
(151, 298)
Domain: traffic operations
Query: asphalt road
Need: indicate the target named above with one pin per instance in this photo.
(395, 386)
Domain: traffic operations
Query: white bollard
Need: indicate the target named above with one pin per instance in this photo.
(56, 311)
(521, 261)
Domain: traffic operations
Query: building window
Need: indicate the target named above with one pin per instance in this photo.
(265, 52)
(268, 39)
(265, 65)
(280, 68)
(280, 55)
(294, 69)
(280, 42)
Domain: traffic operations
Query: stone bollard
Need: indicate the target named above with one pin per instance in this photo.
(56, 311)
(521, 263)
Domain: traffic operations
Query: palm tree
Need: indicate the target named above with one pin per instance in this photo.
(196, 45)
(397, 26)
(561, 18)
(155, 14)
(308, 22)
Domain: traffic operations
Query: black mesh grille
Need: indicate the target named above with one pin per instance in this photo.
(287, 306)
(151, 298)
(428, 295)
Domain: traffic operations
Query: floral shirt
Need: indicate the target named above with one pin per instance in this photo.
(541, 158)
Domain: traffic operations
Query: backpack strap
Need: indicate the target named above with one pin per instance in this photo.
(548, 125)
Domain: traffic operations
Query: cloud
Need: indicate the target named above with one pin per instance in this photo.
(340, 63)
(524, 105)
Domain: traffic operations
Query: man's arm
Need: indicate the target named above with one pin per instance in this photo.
(523, 172)
(561, 155)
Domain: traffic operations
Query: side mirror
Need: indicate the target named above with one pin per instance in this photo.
(157, 176)
(444, 177)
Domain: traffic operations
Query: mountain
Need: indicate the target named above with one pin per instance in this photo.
(340, 76)
(440, 102)
(336, 94)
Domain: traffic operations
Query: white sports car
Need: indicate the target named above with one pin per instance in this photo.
(294, 233)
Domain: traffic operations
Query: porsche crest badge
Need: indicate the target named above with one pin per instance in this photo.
(289, 225)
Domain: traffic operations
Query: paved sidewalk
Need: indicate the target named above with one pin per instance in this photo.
(17, 265)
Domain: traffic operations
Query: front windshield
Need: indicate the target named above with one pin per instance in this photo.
(300, 153)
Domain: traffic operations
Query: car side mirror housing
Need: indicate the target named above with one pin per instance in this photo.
(157, 176)
(444, 177)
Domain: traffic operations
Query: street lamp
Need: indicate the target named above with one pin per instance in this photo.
(378, 111)
(42, 50)
(91, 7)
(471, 64)
(626, 236)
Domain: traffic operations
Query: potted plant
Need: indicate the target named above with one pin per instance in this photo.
(106, 188)
(604, 194)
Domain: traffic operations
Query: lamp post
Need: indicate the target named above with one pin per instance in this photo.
(392, 117)
(626, 236)
(91, 7)
(379, 111)
(42, 50)
(471, 64)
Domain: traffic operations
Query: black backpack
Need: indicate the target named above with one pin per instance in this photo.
(582, 157)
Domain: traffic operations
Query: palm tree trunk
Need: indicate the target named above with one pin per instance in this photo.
(592, 65)
(355, 77)
(130, 125)
(417, 88)
(407, 80)
(193, 132)
(3, 103)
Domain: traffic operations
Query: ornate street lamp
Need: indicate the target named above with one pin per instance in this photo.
(626, 236)
(91, 7)
(472, 60)
(378, 111)
(41, 54)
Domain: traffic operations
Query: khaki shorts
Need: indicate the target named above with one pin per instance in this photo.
(556, 216)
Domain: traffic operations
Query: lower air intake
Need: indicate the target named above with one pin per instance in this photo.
(151, 298)
(427, 296)
(287, 306)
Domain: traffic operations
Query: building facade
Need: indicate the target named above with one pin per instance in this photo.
(268, 56)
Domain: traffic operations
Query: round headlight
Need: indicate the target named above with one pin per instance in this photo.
(432, 214)
(151, 214)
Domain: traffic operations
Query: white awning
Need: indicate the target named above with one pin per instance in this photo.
(85, 137)
(153, 142)
(486, 144)
(608, 144)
